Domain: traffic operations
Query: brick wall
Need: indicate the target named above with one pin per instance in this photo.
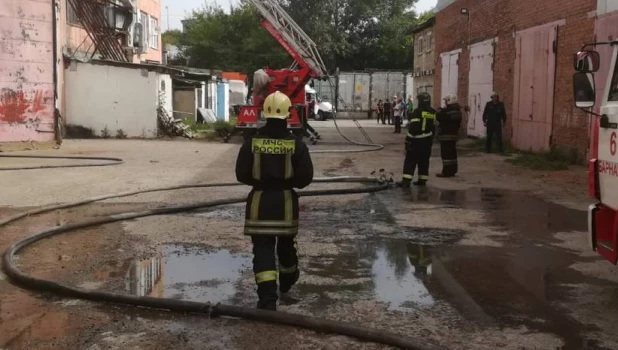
(501, 19)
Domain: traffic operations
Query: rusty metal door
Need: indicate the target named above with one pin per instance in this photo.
(450, 74)
(26, 71)
(533, 103)
(481, 80)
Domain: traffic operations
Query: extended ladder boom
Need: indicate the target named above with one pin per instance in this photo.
(291, 36)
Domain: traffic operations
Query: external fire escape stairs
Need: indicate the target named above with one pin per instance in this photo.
(297, 43)
(105, 34)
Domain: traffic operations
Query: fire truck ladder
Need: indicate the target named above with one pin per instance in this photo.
(295, 40)
(298, 44)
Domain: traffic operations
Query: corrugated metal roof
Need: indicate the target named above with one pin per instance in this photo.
(442, 4)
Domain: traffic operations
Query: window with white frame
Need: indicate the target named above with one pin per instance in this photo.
(154, 33)
(143, 19)
(420, 45)
(428, 42)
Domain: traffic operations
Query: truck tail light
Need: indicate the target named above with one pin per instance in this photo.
(593, 179)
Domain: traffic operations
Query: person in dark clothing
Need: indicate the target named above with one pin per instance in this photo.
(419, 142)
(274, 162)
(387, 112)
(380, 110)
(449, 121)
(494, 118)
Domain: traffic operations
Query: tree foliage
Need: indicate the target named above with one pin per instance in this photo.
(351, 35)
(172, 37)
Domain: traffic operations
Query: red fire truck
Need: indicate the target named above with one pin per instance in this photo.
(291, 81)
(603, 167)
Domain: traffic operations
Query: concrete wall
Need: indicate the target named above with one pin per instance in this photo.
(100, 96)
(26, 71)
(501, 19)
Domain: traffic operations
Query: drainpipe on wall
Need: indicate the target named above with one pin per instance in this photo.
(57, 116)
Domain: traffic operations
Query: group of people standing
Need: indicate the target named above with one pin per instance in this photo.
(274, 163)
(394, 112)
(425, 122)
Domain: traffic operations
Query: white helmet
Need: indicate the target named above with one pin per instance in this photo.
(451, 99)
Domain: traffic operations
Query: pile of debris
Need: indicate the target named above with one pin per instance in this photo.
(170, 127)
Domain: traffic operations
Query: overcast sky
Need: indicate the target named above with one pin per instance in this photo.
(178, 9)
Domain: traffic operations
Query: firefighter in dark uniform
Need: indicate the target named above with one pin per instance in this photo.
(419, 141)
(449, 122)
(274, 162)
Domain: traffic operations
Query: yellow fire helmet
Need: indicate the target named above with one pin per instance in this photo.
(277, 105)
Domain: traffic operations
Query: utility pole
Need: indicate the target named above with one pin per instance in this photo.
(167, 8)
(337, 90)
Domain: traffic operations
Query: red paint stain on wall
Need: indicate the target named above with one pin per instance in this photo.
(37, 104)
(13, 105)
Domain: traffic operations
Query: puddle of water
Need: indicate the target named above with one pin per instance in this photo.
(518, 212)
(188, 273)
(401, 285)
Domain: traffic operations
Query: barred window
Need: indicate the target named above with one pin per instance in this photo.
(72, 17)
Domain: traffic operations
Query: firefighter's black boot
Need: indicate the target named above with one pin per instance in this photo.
(421, 183)
(405, 183)
(288, 280)
(267, 304)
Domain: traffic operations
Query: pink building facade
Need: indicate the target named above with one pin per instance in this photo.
(27, 74)
(36, 35)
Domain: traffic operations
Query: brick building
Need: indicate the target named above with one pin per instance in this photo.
(522, 49)
(424, 57)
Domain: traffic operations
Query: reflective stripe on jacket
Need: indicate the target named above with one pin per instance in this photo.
(273, 162)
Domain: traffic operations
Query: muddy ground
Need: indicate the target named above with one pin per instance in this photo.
(495, 258)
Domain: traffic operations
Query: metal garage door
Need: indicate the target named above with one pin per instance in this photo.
(533, 104)
(450, 74)
(481, 80)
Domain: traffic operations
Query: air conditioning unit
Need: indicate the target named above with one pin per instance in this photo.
(139, 42)
(129, 51)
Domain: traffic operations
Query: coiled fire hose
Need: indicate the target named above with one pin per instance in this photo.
(316, 324)
(107, 161)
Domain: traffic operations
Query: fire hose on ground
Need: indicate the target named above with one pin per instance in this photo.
(107, 161)
(317, 324)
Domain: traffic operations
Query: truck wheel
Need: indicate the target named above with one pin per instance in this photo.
(319, 117)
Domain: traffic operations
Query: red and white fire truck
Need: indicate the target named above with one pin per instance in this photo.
(291, 81)
(603, 167)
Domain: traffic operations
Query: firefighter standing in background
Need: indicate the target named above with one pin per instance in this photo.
(274, 162)
(419, 141)
(449, 120)
(494, 118)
